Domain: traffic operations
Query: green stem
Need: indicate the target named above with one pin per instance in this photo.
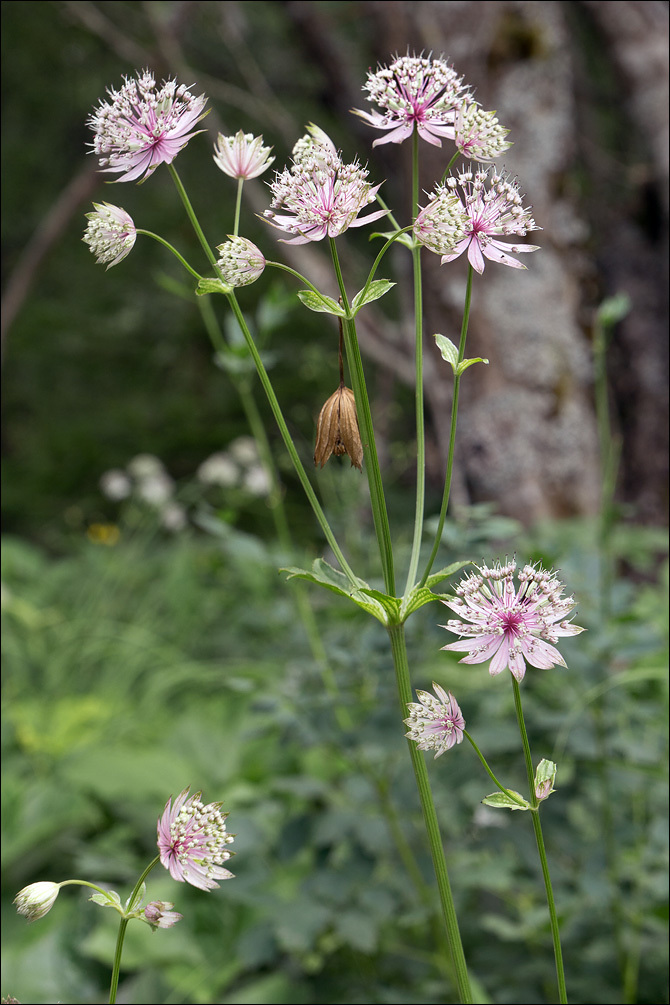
(238, 206)
(166, 244)
(211, 258)
(418, 384)
(399, 650)
(306, 614)
(288, 441)
(537, 827)
(292, 272)
(512, 795)
(373, 471)
(450, 165)
(377, 261)
(122, 932)
(452, 432)
(391, 217)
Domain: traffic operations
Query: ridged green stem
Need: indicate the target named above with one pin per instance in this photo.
(418, 384)
(211, 257)
(537, 827)
(452, 432)
(399, 650)
(288, 441)
(372, 469)
(488, 771)
(116, 968)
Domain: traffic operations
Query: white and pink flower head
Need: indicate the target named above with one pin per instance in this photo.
(144, 126)
(193, 841)
(510, 626)
(435, 721)
(110, 233)
(414, 92)
(489, 206)
(242, 155)
(320, 195)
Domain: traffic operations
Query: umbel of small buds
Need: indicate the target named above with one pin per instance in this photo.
(144, 126)
(435, 722)
(510, 626)
(240, 261)
(110, 234)
(193, 841)
(477, 134)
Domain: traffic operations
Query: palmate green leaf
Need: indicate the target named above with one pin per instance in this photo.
(374, 291)
(320, 303)
(421, 595)
(325, 575)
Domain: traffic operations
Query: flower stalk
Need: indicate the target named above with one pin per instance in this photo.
(399, 650)
(539, 840)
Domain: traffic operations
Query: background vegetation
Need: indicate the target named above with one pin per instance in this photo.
(143, 655)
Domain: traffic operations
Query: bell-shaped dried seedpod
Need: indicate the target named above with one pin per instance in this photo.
(337, 430)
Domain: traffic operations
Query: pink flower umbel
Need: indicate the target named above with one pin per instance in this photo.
(436, 723)
(143, 126)
(492, 207)
(240, 263)
(510, 626)
(193, 841)
(477, 134)
(242, 155)
(110, 234)
(320, 195)
(414, 92)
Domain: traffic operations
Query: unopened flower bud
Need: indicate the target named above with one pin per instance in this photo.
(36, 900)
(337, 430)
(544, 779)
(160, 914)
(110, 234)
(241, 263)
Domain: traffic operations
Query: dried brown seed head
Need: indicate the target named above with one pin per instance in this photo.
(337, 429)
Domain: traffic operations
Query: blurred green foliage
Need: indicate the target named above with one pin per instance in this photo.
(136, 668)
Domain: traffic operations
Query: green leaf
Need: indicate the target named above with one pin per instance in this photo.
(448, 350)
(449, 570)
(109, 899)
(419, 596)
(134, 902)
(206, 286)
(501, 801)
(320, 303)
(325, 575)
(465, 363)
(374, 291)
